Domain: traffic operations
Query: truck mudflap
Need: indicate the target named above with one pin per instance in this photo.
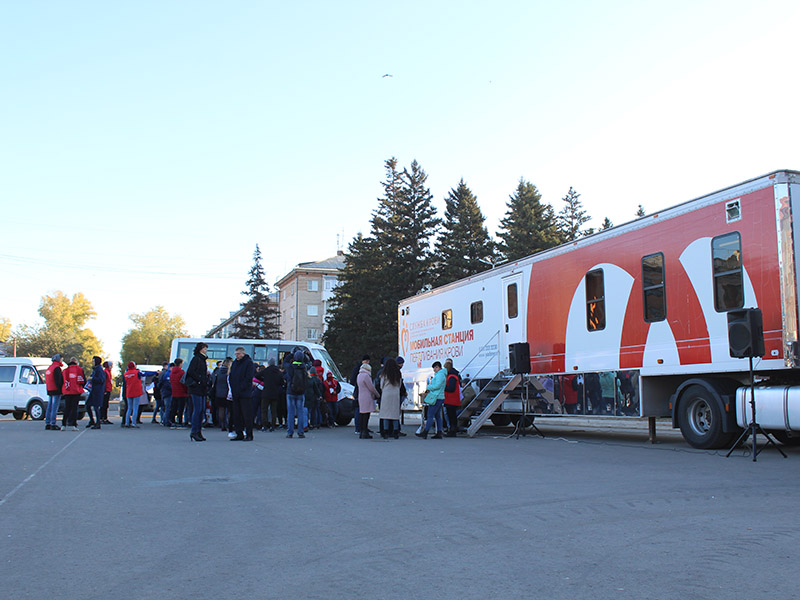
(777, 407)
(723, 391)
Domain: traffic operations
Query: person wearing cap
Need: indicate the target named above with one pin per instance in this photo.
(72, 390)
(54, 380)
(331, 391)
(133, 394)
(366, 399)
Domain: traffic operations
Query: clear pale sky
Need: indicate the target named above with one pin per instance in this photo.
(146, 147)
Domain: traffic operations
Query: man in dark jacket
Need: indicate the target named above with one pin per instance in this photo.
(166, 393)
(271, 395)
(241, 382)
(197, 384)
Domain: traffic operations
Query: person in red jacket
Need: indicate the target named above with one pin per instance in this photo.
(179, 394)
(330, 391)
(72, 390)
(452, 396)
(54, 380)
(133, 394)
(107, 394)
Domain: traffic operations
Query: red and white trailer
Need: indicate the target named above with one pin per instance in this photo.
(631, 321)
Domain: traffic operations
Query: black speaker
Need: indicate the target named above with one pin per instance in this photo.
(745, 333)
(519, 358)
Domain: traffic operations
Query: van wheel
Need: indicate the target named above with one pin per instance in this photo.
(500, 420)
(343, 421)
(36, 410)
(700, 419)
(19, 415)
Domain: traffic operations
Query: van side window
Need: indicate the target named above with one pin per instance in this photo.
(595, 301)
(7, 374)
(447, 319)
(655, 306)
(726, 256)
(513, 304)
(27, 375)
(476, 312)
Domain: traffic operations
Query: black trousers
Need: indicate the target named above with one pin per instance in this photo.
(243, 415)
(269, 408)
(104, 408)
(451, 417)
(70, 417)
(177, 408)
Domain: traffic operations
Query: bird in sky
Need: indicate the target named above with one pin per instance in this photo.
(387, 75)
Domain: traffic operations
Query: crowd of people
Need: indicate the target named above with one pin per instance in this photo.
(239, 396)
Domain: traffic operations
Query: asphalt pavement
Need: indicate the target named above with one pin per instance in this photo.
(145, 513)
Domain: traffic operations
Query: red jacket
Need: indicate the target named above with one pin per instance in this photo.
(452, 398)
(73, 381)
(329, 389)
(109, 383)
(179, 390)
(54, 379)
(133, 385)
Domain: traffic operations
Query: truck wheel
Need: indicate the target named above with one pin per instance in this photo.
(36, 410)
(500, 420)
(343, 420)
(701, 419)
(19, 415)
(525, 424)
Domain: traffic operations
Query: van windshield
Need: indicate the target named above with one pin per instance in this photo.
(330, 365)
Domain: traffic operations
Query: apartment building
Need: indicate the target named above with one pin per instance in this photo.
(227, 325)
(304, 296)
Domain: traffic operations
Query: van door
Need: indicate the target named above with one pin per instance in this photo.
(513, 312)
(7, 378)
(26, 386)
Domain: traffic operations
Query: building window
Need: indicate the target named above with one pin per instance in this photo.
(312, 310)
(595, 301)
(655, 306)
(447, 319)
(331, 283)
(313, 334)
(291, 313)
(511, 301)
(476, 312)
(726, 254)
(313, 285)
(284, 294)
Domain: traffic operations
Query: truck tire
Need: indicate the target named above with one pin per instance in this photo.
(36, 410)
(343, 420)
(700, 419)
(500, 420)
(525, 424)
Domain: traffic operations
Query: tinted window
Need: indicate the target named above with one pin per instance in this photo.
(595, 301)
(447, 319)
(476, 312)
(28, 375)
(726, 254)
(513, 309)
(655, 308)
(217, 352)
(7, 374)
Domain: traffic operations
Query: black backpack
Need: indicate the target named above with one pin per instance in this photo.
(298, 383)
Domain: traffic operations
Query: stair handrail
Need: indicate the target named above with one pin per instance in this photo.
(477, 354)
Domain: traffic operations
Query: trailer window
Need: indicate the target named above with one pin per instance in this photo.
(476, 312)
(726, 254)
(595, 301)
(655, 307)
(447, 319)
(513, 309)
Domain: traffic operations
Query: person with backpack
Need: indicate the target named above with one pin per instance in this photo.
(296, 395)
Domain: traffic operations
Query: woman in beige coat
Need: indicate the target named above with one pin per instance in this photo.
(391, 381)
(366, 399)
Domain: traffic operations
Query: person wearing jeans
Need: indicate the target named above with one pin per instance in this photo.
(197, 384)
(54, 379)
(133, 394)
(434, 398)
(296, 399)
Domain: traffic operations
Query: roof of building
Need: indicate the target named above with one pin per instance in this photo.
(332, 264)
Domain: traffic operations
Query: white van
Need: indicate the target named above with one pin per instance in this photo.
(23, 390)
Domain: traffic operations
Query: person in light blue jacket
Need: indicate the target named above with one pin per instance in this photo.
(434, 398)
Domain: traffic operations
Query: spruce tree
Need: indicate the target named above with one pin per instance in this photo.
(640, 211)
(529, 225)
(607, 224)
(464, 246)
(259, 320)
(572, 217)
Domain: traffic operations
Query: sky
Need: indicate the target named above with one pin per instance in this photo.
(147, 147)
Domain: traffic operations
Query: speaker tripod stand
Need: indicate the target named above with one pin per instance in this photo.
(753, 428)
(521, 424)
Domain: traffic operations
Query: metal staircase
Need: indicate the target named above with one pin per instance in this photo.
(499, 389)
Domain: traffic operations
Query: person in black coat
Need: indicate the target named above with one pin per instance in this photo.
(95, 400)
(241, 388)
(197, 384)
(271, 395)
